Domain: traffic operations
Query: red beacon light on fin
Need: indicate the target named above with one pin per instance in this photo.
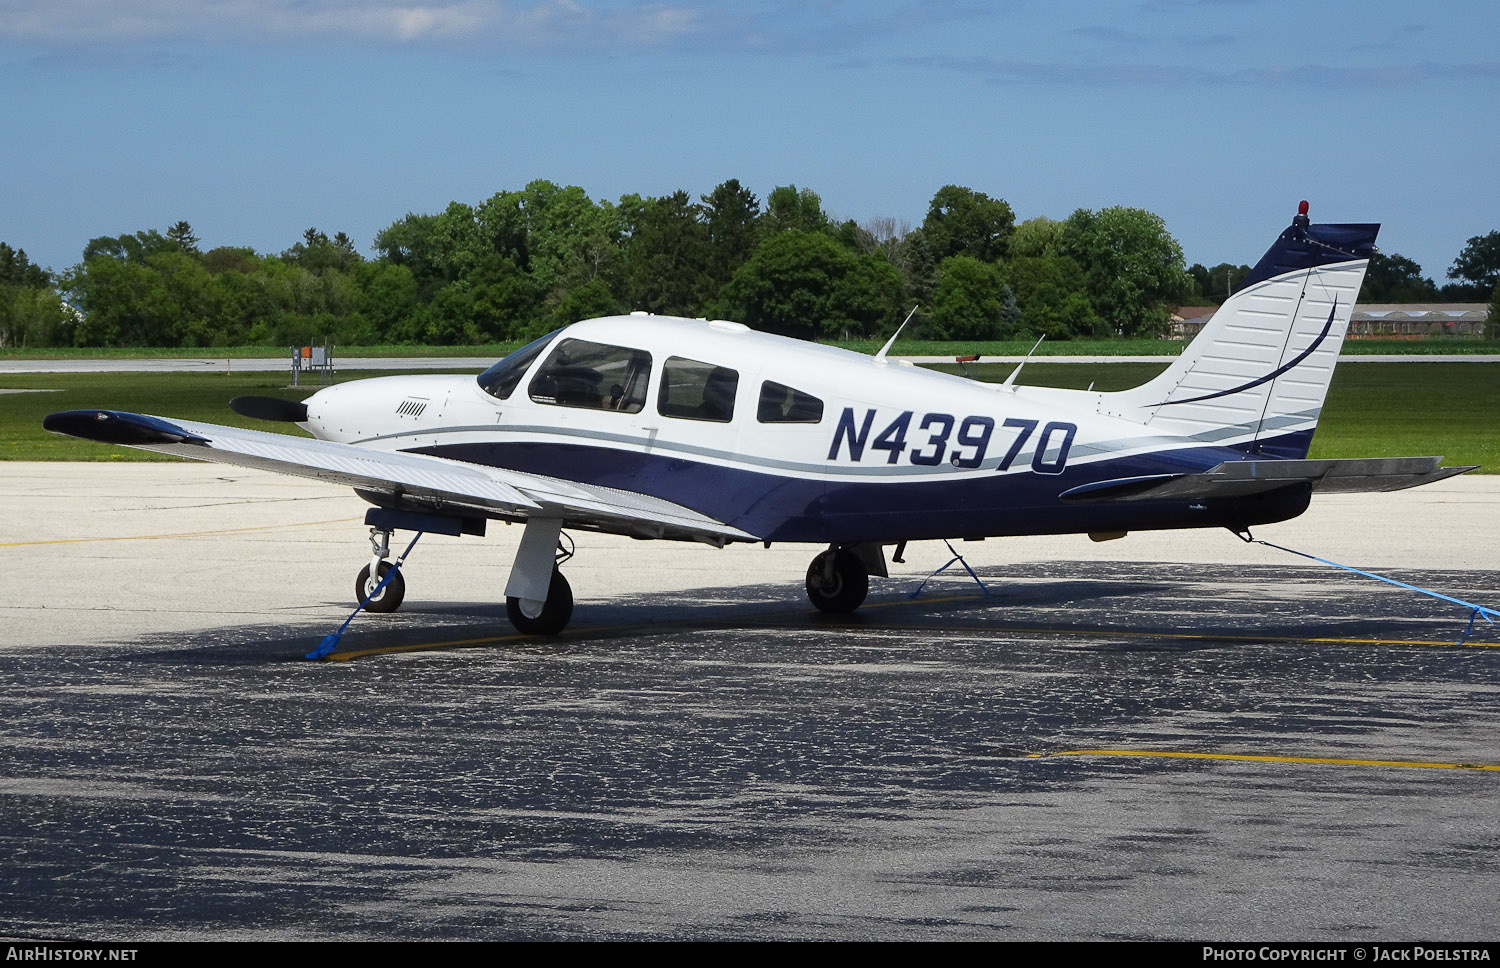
(1302, 207)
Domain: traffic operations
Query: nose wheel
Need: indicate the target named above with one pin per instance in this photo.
(389, 598)
(837, 581)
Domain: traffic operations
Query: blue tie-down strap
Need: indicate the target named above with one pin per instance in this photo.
(1475, 611)
(331, 642)
(956, 558)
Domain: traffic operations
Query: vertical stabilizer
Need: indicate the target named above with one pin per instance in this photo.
(1256, 376)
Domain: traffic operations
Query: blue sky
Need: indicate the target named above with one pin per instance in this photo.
(253, 119)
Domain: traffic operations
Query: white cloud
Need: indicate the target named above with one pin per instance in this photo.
(520, 24)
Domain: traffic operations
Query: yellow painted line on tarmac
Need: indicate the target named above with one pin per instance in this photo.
(1186, 636)
(423, 647)
(1199, 636)
(922, 601)
(350, 654)
(1266, 758)
(179, 534)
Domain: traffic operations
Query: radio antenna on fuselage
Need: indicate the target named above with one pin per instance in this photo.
(880, 357)
(1010, 381)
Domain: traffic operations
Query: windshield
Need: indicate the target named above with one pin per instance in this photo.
(502, 378)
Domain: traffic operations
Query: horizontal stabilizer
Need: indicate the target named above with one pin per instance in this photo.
(1243, 478)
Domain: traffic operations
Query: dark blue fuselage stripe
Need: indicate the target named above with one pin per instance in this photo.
(779, 508)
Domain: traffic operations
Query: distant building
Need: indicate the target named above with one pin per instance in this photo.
(1418, 320)
(1376, 321)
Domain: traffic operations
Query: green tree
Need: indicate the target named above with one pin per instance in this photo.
(135, 248)
(669, 258)
(972, 301)
(505, 301)
(1026, 275)
(181, 235)
(412, 242)
(448, 317)
(124, 303)
(243, 308)
(1132, 266)
(588, 301)
(1052, 290)
(318, 253)
(961, 221)
(1036, 237)
(916, 263)
(1059, 313)
(227, 258)
(806, 284)
(1395, 279)
(1219, 283)
(17, 270)
(731, 214)
(31, 311)
(1478, 263)
(557, 235)
(790, 209)
(387, 301)
(33, 316)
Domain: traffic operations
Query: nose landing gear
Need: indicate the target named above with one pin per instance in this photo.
(389, 598)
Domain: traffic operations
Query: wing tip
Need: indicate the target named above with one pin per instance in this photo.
(118, 427)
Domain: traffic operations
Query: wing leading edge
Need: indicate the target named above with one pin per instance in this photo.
(430, 482)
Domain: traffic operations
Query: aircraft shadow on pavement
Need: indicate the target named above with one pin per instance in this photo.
(1110, 606)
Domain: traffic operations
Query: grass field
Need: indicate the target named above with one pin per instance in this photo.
(1373, 409)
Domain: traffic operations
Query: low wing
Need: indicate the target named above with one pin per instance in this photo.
(1243, 478)
(430, 482)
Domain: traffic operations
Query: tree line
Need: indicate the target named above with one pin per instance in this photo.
(523, 262)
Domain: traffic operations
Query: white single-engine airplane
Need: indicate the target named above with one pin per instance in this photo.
(694, 430)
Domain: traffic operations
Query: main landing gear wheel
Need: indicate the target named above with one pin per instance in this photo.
(390, 596)
(553, 616)
(837, 582)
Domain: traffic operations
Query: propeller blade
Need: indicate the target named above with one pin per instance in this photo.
(270, 408)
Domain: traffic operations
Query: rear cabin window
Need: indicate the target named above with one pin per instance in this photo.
(697, 391)
(501, 379)
(782, 404)
(593, 376)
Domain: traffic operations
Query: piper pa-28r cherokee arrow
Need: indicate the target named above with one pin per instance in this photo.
(693, 430)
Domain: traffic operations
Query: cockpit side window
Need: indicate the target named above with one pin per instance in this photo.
(593, 376)
(502, 379)
(697, 391)
(782, 404)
